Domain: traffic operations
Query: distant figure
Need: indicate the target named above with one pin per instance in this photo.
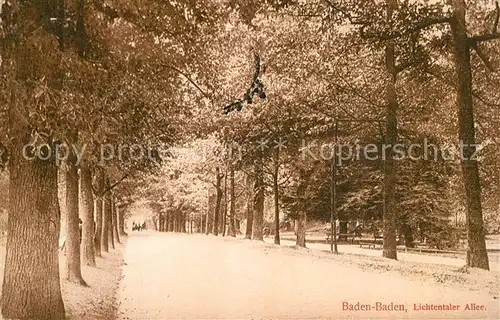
(137, 226)
(143, 227)
(266, 231)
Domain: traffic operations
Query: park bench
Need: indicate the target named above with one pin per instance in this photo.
(348, 236)
(369, 245)
(372, 244)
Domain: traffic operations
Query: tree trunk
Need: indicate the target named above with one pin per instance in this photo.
(31, 286)
(73, 262)
(203, 223)
(87, 214)
(98, 225)
(248, 231)
(343, 229)
(121, 221)
(224, 217)
(258, 205)
(389, 215)
(107, 228)
(183, 222)
(176, 221)
(161, 222)
(276, 196)
(408, 236)
(99, 214)
(105, 224)
(114, 217)
(218, 188)
(210, 213)
(108, 215)
(477, 255)
(232, 209)
(300, 223)
(31, 283)
(207, 222)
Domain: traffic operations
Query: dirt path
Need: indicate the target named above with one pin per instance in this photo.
(169, 276)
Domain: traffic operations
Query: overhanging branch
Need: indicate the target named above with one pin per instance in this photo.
(484, 37)
(483, 57)
(188, 78)
(391, 35)
(494, 30)
(114, 185)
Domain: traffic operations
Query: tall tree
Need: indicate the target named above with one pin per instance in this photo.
(249, 206)
(30, 60)
(73, 260)
(258, 201)
(87, 214)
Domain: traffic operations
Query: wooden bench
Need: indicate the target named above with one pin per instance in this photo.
(370, 245)
(348, 236)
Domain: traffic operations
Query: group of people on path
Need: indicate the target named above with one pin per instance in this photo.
(138, 226)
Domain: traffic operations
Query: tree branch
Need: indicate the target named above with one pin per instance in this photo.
(439, 76)
(483, 38)
(344, 12)
(494, 30)
(111, 187)
(391, 35)
(483, 57)
(189, 79)
(497, 18)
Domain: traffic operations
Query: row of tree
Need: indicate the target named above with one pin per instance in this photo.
(388, 73)
(101, 87)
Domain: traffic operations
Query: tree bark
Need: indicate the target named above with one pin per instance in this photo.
(98, 225)
(87, 214)
(108, 216)
(73, 259)
(343, 228)
(249, 226)
(300, 223)
(408, 236)
(176, 221)
(389, 214)
(114, 217)
(477, 255)
(218, 177)
(161, 222)
(232, 208)
(210, 213)
(276, 196)
(183, 222)
(258, 205)
(31, 283)
(121, 220)
(31, 286)
(224, 216)
(99, 215)
(105, 224)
